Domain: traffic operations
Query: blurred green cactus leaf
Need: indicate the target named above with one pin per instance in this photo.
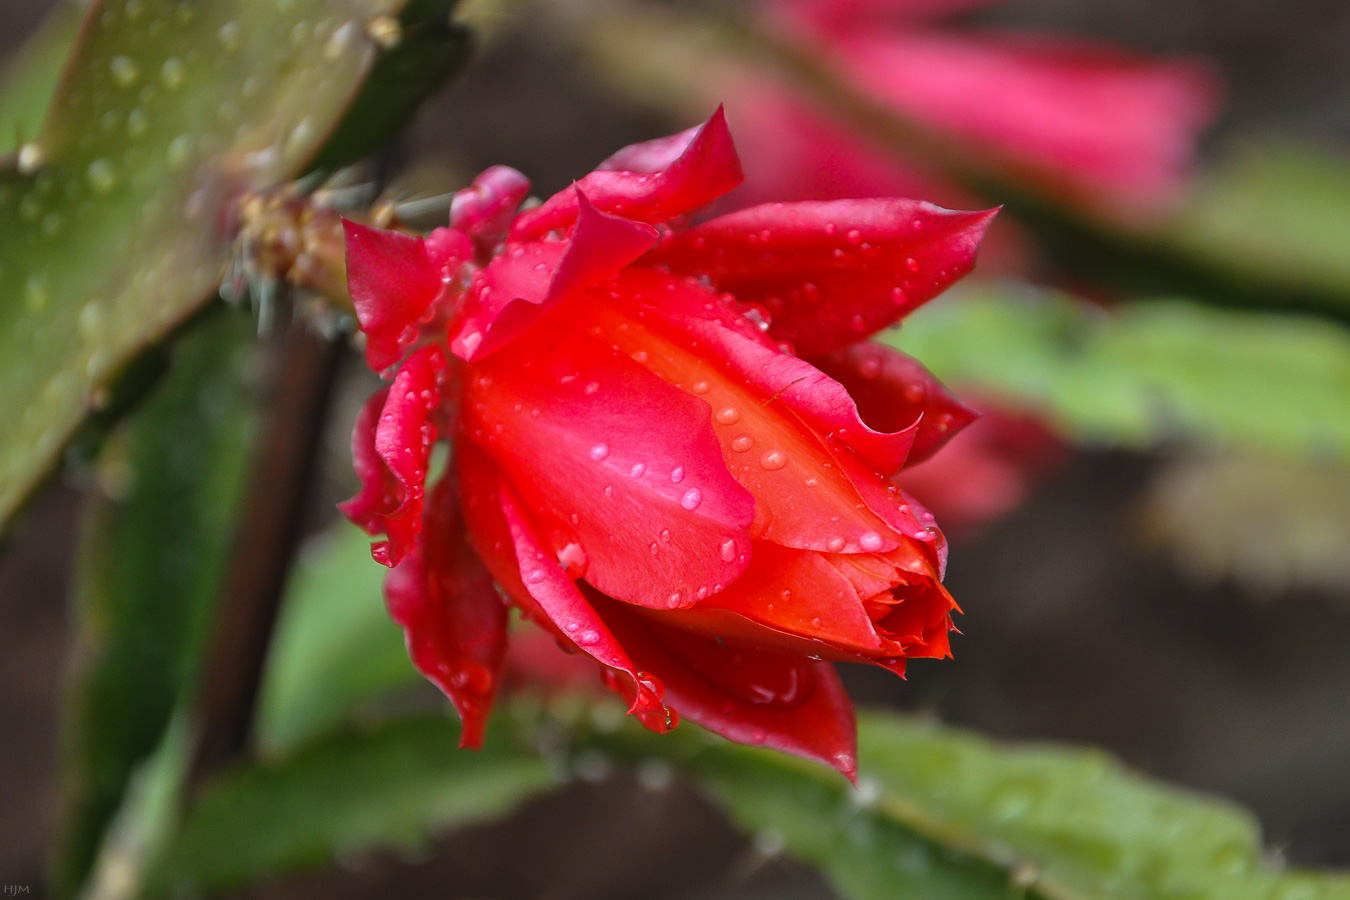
(156, 542)
(394, 786)
(29, 77)
(1271, 524)
(335, 647)
(1145, 374)
(116, 219)
(944, 813)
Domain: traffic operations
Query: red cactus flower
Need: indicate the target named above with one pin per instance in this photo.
(650, 458)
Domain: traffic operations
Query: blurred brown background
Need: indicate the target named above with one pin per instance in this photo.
(1073, 630)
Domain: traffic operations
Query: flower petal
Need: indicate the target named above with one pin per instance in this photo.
(570, 612)
(453, 620)
(517, 288)
(379, 490)
(1076, 113)
(616, 462)
(799, 592)
(801, 499)
(485, 208)
(705, 170)
(392, 281)
(894, 392)
(818, 399)
(831, 272)
(652, 156)
(481, 503)
(750, 696)
(399, 443)
(887, 501)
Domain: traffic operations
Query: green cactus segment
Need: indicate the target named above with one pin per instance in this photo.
(1145, 374)
(30, 76)
(112, 221)
(944, 813)
(151, 564)
(1076, 822)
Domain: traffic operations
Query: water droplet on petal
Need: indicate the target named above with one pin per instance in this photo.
(691, 499)
(677, 474)
(912, 264)
(599, 452)
(835, 544)
(773, 459)
(700, 387)
(728, 416)
(637, 470)
(728, 550)
(742, 443)
(871, 541)
(534, 576)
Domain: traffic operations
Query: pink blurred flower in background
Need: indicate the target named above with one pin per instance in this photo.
(1098, 124)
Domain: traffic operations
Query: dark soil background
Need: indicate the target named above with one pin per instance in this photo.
(1073, 631)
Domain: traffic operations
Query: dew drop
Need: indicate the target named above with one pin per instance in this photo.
(637, 470)
(835, 544)
(854, 236)
(728, 550)
(728, 416)
(230, 37)
(912, 264)
(102, 176)
(871, 541)
(534, 576)
(178, 151)
(700, 388)
(591, 388)
(773, 459)
(665, 534)
(125, 72)
(599, 452)
(742, 443)
(172, 72)
(677, 474)
(691, 499)
(35, 294)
